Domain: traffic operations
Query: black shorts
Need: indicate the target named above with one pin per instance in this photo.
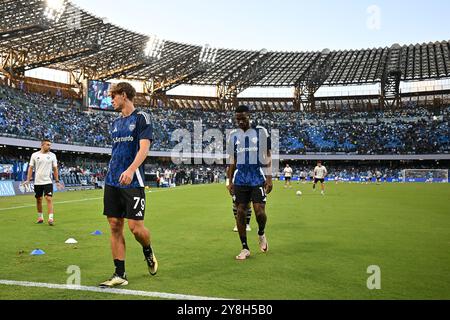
(124, 203)
(319, 180)
(288, 178)
(245, 194)
(45, 189)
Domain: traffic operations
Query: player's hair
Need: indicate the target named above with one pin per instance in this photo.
(122, 87)
(242, 108)
(45, 140)
(319, 161)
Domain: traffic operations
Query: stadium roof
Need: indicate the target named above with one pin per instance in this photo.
(31, 37)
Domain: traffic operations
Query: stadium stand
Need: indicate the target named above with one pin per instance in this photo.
(410, 130)
(388, 122)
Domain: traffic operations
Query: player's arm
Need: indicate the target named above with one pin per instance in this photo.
(56, 176)
(29, 175)
(232, 167)
(230, 171)
(30, 171)
(127, 176)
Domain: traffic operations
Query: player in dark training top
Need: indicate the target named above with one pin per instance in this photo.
(124, 196)
(250, 175)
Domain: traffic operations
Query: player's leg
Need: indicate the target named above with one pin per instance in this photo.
(261, 218)
(38, 193)
(142, 235)
(117, 240)
(322, 186)
(243, 196)
(114, 210)
(49, 200)
(135, 203)
(248, 217)
(48, 192)
(118, 248)
(314, 183)
(235, 229)
(241, 216)
(259, 199)
(39, 210)
(140, 232)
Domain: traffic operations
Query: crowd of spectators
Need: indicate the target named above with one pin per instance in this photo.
(412, 130)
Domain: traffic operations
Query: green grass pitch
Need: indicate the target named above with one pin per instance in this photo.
(320, 246)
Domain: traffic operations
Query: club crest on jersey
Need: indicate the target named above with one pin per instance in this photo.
(115, 130)
(132, 127)
(254, 139)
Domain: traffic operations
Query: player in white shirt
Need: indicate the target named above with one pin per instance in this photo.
(303, 176)
(378, 176)
(287, 176)
(168, 176)
(369, 177)
(320, 172)
(44, 163)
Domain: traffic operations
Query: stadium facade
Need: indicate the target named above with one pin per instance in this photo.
(412, 124)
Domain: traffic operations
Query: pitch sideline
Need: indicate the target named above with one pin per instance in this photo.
(90, 199)
(127, 292)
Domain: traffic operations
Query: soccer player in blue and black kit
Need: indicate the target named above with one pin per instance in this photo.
(124, 186)
(250, 175)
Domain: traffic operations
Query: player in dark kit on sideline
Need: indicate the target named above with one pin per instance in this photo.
(249, 152)
(124, 185)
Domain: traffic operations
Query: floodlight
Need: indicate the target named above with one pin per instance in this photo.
(54, 9)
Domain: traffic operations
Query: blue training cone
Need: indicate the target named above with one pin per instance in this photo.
(37, 252)
(97, 233)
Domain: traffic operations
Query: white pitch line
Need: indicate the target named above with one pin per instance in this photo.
(90, 199)
(59, 202)
(161, 295)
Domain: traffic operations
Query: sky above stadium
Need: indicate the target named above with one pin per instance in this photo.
(281, 25)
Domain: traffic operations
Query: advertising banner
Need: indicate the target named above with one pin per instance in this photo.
(6, 189)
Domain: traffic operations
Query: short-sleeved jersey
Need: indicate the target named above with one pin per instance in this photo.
(288, 172)
(43, 164)
(320, 172)
(126, 134)
(249, 152)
